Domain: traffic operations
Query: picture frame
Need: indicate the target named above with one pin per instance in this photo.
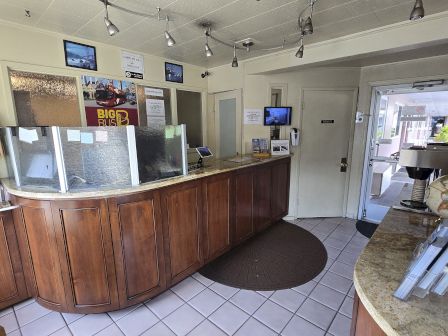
(280, 147)
(174, 72)
(81, 56)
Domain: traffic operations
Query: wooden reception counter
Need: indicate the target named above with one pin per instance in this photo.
(99, 251)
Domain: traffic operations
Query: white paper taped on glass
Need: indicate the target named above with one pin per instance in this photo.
(428, 271)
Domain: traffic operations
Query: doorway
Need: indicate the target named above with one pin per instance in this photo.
(228, 120)
(402, 117)
(324, 164)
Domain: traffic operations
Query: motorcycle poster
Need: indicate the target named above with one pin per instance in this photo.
(109, 102)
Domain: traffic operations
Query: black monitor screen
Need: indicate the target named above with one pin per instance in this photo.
(204, 152)
(277, 116)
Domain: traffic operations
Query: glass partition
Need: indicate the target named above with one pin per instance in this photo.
(96, 157)
(159, 152)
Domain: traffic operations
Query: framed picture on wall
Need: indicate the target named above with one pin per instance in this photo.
(174, 72)
(279, 147)
(78, 55)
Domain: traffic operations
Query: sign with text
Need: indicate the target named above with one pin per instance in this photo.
(109, 102)
(132, 64)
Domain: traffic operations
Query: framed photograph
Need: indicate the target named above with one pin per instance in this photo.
(174, 72)
(78, 55)
(279, 147)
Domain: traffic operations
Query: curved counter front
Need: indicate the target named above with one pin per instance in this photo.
(378, 273)
(100, 251)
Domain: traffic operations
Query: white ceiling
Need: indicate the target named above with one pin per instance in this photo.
(266, 21)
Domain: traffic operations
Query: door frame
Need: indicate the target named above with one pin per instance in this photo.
(237, 94)
(355, 91)
(377, 90)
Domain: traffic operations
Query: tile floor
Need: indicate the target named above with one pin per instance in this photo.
(200, 307)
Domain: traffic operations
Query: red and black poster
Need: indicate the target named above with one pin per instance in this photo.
(109, 102)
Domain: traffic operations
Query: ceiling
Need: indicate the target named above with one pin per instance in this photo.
(436, 102)
(266, 21)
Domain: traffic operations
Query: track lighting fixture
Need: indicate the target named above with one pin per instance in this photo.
(235, 59)
(307, 28)
(111, 28)
(169, 39)
(299, 53)
(418, 12)
(208, 50)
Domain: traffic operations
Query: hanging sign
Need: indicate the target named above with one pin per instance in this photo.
(132, 64)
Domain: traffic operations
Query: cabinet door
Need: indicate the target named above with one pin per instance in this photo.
(12, 281)
(181, 207)
(280, 189)
(85, 246)
(262, 197)
(244, 204)
(138, 245)
(217, 216)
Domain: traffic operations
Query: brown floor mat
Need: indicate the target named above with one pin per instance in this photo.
(281, 257)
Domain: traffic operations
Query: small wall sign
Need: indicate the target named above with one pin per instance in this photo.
(328, 121)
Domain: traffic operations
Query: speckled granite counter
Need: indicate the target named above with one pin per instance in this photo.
(380, 269)
(212, 168)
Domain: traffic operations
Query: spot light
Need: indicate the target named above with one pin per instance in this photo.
(169, 39)
(418, 12)
(299, 53)
(111, 28)
(235, 59)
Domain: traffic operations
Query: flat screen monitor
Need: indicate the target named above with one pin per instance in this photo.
(204, 152)
(277, 116)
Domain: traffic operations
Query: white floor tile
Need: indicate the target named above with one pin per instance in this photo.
(137, 321)
(9, 322)
(289, 299)
(229, 318)
(70, 318)
(45, 325)
(202, 279)
(23, 304)
(332, 252)
(342, 269)
(306, 288)
(272, 315)
(160, 329)
(298, 326)
(118, 314)
(329, 263)
(90, 324)
(348, 258)
(62, 332)
(188, 288)
(351, 292)
(164, 304)
(248, 300)
(266, 294)
(207, 328)
(340, 326)
(111, 330)
(316, 313)
(327, 296)
(225, 291)
(206, 302)
(347, 307)
(183, 320)
(5, 311)
(30, 313)
(336, 282)
(335, 243)
(252, 327)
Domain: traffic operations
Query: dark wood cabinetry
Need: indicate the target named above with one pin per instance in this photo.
(12, 281)
(182, 226)
(244, 205)
(97, 255)
(362, 323)
(136, 225)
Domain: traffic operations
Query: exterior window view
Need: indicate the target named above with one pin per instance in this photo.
(223, 168)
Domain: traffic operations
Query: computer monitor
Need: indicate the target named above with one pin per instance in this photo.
(204, 152)
(277, 116)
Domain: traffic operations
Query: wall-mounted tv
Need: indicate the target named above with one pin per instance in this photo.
(174, 73)
(277, 116)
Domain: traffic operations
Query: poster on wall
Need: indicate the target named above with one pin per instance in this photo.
(155, 111)
(253, 117)
(132, 64)
(109, 102)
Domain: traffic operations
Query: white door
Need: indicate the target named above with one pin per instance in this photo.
(327, 127)
(228, 123)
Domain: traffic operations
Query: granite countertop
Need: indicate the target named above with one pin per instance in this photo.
(212, 168)
(380, 269)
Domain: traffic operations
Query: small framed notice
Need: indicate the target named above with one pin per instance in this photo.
(279, 147)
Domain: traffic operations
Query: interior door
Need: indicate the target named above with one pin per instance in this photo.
(228, 123)
(327, 126)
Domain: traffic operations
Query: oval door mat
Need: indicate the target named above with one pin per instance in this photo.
(283, 256)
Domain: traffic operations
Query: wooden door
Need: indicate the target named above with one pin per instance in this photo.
(217, 215)
(138, 246)
(39, 232)
(12, 280)
(262, 197)
(280, 189)
(87, 260)
(244, 205)
(182, 221)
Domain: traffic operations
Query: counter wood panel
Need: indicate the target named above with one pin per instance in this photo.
(280, 190)
(244, 204)
(262, 198)
(181, 206)
(138, 245)
(362, 323)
